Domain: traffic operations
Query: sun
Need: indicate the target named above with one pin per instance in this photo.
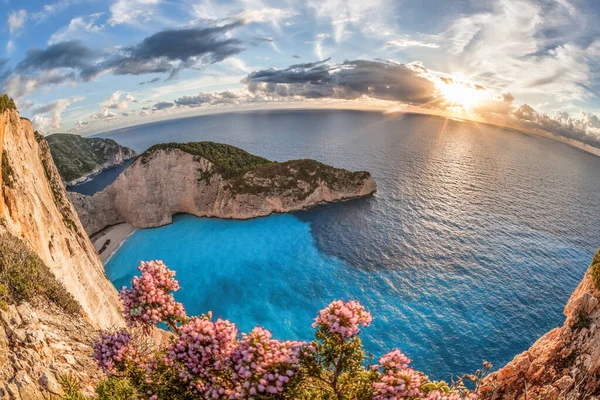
(461, 94)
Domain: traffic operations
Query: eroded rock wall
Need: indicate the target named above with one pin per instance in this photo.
(149, 193)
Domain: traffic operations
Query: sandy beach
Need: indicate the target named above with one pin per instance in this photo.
(108, 240)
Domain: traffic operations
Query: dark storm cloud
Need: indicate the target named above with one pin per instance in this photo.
(169, 51)
(71, 54)
(350, 80)
(163, 105)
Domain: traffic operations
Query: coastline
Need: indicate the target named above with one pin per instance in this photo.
(110, 239)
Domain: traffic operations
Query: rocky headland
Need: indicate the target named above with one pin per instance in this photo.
(78, 158)
(209, 179)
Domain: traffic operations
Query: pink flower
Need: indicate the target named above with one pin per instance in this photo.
(202, 352)
(398, 381)
(149, 301)
(343, 318)
(263, 366)
(113, 351)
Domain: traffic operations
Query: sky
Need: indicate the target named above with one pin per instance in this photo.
(90, 66)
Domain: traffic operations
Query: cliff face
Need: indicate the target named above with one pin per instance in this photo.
(167, 181)
(39, 342)
(35, 207)
(78, 158)
(565, 362)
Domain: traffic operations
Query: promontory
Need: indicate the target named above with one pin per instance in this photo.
(210, 179)
(77, 158)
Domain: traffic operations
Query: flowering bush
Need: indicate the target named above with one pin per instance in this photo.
(343, 318)
(149, 301)
(206, 359)
(397, 380)
(113, 351)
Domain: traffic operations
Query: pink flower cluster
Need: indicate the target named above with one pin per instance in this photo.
(113, 349)
(203, 350)
(263, 366)
(343, 318)
(150, 301)
(398, 381)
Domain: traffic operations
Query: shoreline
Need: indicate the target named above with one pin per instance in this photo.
(110, 239)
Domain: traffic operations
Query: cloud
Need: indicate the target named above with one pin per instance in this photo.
(264, 14)
(227, 97)
(132, 11)
(72, 54)
(76, 27)
(104, 114)
(411, 43)
(163, 105)
(19, 86)
(319, 44)
(117, 101)
(349, 80)
(48, 117)
(168, 51)
(153, 80)
(527, 48)
(585, 129)
(16, 20)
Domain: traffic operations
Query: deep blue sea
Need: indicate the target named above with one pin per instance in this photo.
(468, 252)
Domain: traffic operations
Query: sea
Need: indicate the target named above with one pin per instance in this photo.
(469, 250)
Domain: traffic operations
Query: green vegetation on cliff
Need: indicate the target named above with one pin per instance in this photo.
(76, 156)
(7, 171)
(25, 277)
(6, 103)
(301, 176)
(596, 270)
(250, 174)
(228, 160)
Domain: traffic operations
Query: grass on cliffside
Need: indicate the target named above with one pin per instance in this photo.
(228, 160)
(596, 270)
(7, 171)
(25, 277)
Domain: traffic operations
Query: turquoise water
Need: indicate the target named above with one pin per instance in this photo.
(469, 251)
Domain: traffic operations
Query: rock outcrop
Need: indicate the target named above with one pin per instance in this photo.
(564, 363)
(77, 158)
(214, 180)
(39, 342)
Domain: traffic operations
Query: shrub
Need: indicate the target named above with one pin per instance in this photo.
(6, 103)
(25, 277)
(596, 275)
(8, 175)
(208, 359)
(228, 160)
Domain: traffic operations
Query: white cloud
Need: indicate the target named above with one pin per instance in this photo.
(132, 11)
(10, 46)
(76, 27)
(319, 44)
(366, 16)
(411, 43)
(510, 49)
(16, 20)
(48, 118)
(117, 101)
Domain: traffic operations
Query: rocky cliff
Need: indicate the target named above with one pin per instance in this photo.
(78, 158)
(39, 340)
(565, 362)
(213, 180)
